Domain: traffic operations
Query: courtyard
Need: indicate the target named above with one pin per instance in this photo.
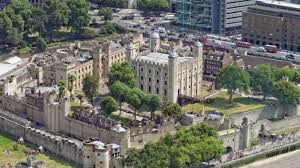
(221, 103)
(11, 156)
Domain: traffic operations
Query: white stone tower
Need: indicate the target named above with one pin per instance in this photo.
(198, 56)
(172, 77)
(154, 42)
(130, 52)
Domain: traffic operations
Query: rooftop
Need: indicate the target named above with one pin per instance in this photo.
(115, 46)
(13, 60)
(45, 89)
(279, 3)
(4, 68)
(161, 58)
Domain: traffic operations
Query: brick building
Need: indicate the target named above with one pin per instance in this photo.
(214, 62)
(274, 23)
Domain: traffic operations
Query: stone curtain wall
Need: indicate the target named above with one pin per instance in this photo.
(268, 112)
(70, 150)
(82, 130)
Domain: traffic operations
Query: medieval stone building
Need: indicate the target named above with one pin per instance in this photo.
(166, 73)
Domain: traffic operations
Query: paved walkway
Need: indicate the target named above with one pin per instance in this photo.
(288, 160)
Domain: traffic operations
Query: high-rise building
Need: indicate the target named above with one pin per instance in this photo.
(216, 16)
(274, 23)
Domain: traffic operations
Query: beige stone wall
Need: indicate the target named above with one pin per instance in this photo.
(83, 130)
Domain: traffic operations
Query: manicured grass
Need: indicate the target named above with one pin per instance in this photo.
(14, 156)
(24, 50)
(74, 105)
(119, 118)
(58, 43)
(221, 102)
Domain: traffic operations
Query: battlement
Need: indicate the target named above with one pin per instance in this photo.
(150, 62)
(92, 119)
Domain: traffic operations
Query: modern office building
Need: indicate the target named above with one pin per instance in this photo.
(274, 23)
(216, 16)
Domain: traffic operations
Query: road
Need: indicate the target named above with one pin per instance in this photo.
(288, 160)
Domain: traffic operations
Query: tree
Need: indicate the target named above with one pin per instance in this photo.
(41, 44)
(172, 109)
(122, 72)
(90, 87)
(286, 93)
(134, 100)
(80, 97)
(106, 12)
(9, 27)
(61, 88)
(71, 79)
(119, 91)
(110, 28)
(285, 73)
(88, 34)
(153, 102)
(109, 105)
(187, 148)
(39, 21)
(79, 17)
(111, 3)
(154, 5)
(23, 9)
(262, 78)
(58, 13)
(233, 78)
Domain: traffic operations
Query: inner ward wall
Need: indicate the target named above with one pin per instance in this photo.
(53, 143)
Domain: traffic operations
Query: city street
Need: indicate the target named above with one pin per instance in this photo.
(288, 160)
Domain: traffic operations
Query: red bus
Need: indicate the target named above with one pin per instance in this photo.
(203, 40)
(271, 48)
(243, 44)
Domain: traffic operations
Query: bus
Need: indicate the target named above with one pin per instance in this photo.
(243, 44)
(271, 48)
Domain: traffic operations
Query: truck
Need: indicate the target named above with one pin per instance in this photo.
(271, 48)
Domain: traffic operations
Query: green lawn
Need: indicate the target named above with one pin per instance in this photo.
(75, 104)
(120, 119)
(239, 104)
(24, 50)
(15, 156)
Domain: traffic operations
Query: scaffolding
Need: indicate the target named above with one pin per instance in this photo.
(194, 13)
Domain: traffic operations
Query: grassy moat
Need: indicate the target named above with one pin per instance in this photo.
(221, 102)
(10, 156)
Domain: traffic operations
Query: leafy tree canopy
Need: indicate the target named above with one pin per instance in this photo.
(106, 12)
(172, 109)
(262, 78)
(109, 105)
(187, 148)
(233, 78)
(286, 93)
(122, 72)
(90, 86)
